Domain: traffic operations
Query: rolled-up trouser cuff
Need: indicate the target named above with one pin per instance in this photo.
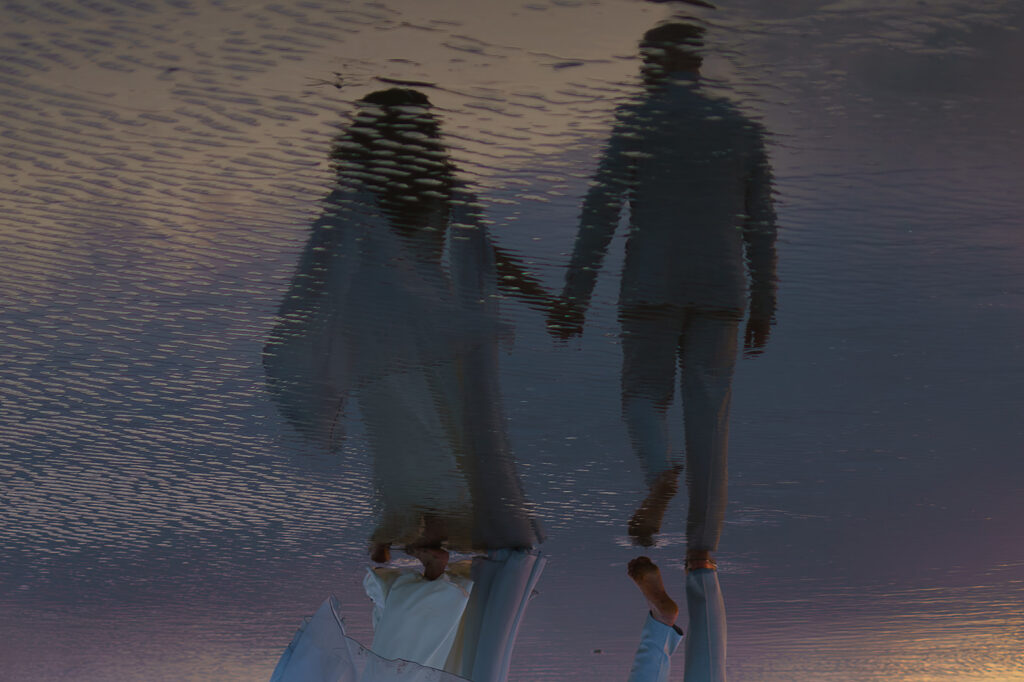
(658, 642)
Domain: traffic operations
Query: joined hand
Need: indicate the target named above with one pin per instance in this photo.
(565, 319)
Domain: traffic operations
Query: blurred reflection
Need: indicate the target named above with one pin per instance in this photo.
(701, 224)
(395, 305)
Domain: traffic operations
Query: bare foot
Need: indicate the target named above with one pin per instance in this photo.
(380, 552)
(434, 560)
(647, 577)
(646, 520)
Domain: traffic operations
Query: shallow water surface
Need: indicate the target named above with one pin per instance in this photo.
(243, 343)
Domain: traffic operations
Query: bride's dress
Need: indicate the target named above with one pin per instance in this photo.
(422, 628)
(416, 619)
(321, 652)
(414, 339)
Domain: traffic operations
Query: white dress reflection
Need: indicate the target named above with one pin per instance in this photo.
(395, 305)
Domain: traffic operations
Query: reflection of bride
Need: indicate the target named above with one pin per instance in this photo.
(395, 304)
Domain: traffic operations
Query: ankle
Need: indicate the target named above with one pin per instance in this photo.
(665, 610)
(697, 559)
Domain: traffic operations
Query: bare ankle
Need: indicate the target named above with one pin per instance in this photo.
(700, 559)
(647, 576)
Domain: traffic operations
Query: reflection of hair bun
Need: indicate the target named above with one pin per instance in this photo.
(393, 148)
(674, 35)
(397, 97)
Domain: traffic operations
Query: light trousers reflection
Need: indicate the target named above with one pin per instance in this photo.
(704, 343)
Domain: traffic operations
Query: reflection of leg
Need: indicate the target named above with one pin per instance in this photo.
(648, 430)
(660, 637)
(708, 358)
(706, 634)
(646, 520)
(650, 339)
(650, 342)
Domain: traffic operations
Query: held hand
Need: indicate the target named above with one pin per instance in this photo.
(756, 337)
(565, 319)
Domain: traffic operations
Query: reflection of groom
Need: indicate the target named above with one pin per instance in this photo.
(702, 224)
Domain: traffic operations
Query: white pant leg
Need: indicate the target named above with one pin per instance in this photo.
(653, 659)
(706, 636)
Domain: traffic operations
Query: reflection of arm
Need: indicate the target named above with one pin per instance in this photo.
(515, 280)
(600, 216)
(759, 235)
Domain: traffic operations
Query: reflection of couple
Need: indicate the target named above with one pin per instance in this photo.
(702, 224)
(395, 304)
(701, 221)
